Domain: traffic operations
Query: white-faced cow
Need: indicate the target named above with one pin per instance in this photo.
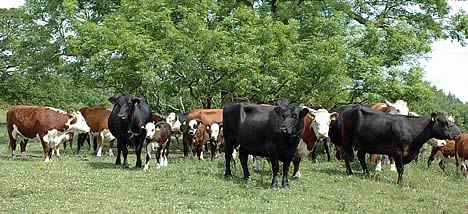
(175, 124)
(158, 138)
(50, 125)
(268, 131)
(316, 127)
(399, 136)
(127, 123)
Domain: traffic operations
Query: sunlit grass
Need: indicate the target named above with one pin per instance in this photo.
(84, 183)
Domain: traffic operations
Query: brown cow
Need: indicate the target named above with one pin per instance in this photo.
(158, 137)
(316, 127)
(207, 116)
(97, 118)
(201, 139)
(50, 125)
(446, 153)
(461, 153)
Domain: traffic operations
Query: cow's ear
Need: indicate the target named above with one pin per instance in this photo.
(113, 99)
(303, 113)
(334, 115)
(136, 101)
(433, 116)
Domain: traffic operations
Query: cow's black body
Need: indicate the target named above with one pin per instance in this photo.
(126, 123)
(266, 131)
(398, 136)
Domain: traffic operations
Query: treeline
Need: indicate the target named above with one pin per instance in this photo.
(181, 54)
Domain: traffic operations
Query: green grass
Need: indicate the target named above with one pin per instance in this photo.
(84, 183)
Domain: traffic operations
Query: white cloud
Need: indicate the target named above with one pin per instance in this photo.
(11, 3)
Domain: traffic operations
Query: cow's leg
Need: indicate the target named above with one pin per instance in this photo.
(202, 149)
(13, 148)
(159, 157)
(125, 154)
(166, 154)
(275, 169)
(243, 156)
(392, 164)
(296, 161)
(362, 160)
(138, 148)
(229, 149)
(46, 149)
(400, 168)
(111, 145)
(432, 156)
(255, 163)
(24, 154)
(80, 142)
(285, 181)
(57, 150)
(119, 151)
(313, 154)
(149, 148)
(212, 149)
(327, 148)
(442, 164)
(378, 166)
(186, 147)
(100, 142)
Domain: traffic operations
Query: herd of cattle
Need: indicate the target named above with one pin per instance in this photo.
(282, 131)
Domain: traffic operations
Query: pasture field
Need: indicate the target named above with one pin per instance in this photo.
(87, 184)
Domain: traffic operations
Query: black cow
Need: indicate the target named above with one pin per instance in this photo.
(269, 131)
(127, 123)
(398, 136)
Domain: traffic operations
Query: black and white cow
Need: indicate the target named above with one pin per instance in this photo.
(398, 136)
(268, 131)
(127, 123)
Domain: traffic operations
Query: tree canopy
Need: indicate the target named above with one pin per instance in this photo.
(183, 54)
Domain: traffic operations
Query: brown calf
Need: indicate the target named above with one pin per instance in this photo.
(461, 153)
(97, 118)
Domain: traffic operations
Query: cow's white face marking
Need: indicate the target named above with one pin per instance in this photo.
(80, 126)
(150, 130)
(171, 118)
(321, 122)
(192, 126)
(399, 107)
(302, 149)
(214, 131)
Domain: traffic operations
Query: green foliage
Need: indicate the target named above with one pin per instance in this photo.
(181, 55)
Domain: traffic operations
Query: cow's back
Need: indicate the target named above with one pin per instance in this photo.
(96, 117)
(31, 120)
(207, 116)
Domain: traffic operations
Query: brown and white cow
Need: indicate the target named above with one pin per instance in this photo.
(316, 126)
(97, 118)
(48, 124)
(443, 149)
(461, 153)
(201, 139)
(207, 117)
(158, 138)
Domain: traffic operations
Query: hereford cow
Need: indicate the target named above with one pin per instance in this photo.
(127, 123)
(175, 124)
(316, 127)
(97, 118)
(268, 131)
(461, 153)
(445, 150)
(158, 137)
(188, 130)
(50, 125)
(399, 136)
(214, 133)
(201, 139)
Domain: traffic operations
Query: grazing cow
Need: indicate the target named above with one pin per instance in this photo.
(201, 139)
(316, 127)
(158, 137)
(97, 118)
(461, 153)
(445, 150)
(399, 107)
(50, 125)
(399, 136)
(268, 131)
(127, 123)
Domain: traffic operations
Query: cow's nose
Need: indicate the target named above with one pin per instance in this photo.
(283, 130)
(121, 116)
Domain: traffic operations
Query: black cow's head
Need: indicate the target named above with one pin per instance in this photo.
(293, 118)
(441, 127)
(126, 104)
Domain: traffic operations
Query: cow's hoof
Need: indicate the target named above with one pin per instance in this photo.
(297, 175)
(286, 187)
(125, 166)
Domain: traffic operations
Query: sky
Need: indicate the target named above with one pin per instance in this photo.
(446, 67)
